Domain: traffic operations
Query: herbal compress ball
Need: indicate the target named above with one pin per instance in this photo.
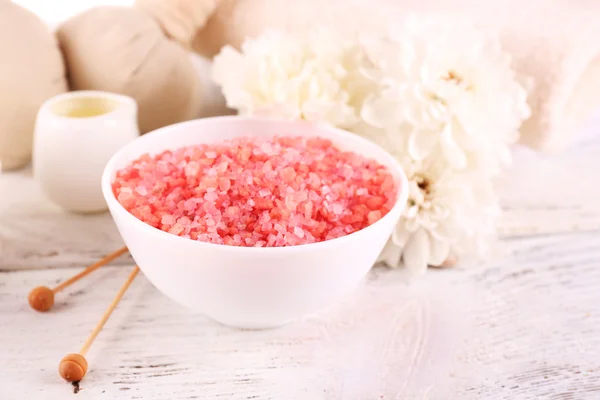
(31, 71)
(123, 50)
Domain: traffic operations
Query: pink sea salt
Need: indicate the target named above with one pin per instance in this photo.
(282, 191)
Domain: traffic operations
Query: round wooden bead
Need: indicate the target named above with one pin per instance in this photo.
(73, 367)
(41, 298)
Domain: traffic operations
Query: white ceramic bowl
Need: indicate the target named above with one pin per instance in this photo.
(250, 287)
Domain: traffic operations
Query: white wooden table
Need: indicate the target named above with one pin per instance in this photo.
(525, 325)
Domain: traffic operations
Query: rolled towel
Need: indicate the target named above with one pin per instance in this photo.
(555, 42)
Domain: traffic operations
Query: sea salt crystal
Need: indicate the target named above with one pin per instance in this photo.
(211, 196)
(141, 190)
(280, 191)
(375, 202)
(298, 232)
(167, 220)
(224, 184)
(208, 182)
(374, 216)
(337, 208)
(288, 174)
(222, 167)
(267, 148)
(191, 169)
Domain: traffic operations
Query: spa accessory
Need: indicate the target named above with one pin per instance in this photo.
(123, 50)
(76, 133)
(41, 298)
(244, 286)
(73, 367)
(31, 71)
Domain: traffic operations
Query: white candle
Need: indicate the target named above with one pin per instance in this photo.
(76, 133)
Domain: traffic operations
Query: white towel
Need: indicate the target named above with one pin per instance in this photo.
(557, 43)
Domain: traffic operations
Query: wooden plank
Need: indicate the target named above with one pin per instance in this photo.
(382, 341)
(537, 329)
(553, 193)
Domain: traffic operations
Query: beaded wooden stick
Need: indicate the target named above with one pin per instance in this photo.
(73, 367)
(41, 298)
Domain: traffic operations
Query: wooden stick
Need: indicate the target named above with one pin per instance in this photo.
(73, 367)
(108, 311)
(90, 269)
(41, 298)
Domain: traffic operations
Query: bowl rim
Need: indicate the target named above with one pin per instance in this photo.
(116, 207)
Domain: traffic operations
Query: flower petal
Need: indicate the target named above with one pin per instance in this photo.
(452, 151)
(382, 111)
(416, 252)
(411, 212)
(391, 255)
(411, 225)
(447, 231)
(420, 144)
(438, 252)
(401, 235)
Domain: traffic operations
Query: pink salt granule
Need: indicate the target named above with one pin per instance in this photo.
(281, 191)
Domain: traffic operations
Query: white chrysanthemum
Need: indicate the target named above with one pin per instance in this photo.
(447, 90)
(438, 94)
(315, 78)
(448, 214)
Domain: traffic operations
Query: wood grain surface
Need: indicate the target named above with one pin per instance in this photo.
(519, 327)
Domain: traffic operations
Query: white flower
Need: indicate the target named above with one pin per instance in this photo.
(447, 89)
(315, 77)
(448, 213)
(437, 94)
